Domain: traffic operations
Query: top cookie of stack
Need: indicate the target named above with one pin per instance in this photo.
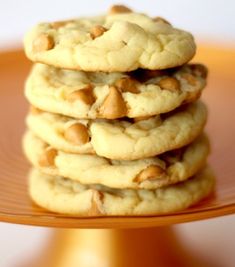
(120, 41)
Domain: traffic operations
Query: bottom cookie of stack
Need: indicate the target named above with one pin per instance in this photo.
(63, 195)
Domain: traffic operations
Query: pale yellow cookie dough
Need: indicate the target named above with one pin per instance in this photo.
(150, 173)
(84, 94)
(114, 42)
(119, 139)
(65, 196)
(123, 140)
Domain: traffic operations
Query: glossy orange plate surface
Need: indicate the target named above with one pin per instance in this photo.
(15, 205)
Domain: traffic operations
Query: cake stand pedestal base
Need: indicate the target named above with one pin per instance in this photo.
(150, 247)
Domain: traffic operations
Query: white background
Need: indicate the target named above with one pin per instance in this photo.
(209, 20)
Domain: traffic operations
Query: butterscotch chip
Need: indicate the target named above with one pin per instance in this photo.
(116, 9)
(152, 172)
(113, 106)
(141, 118)
(43, 42)
(127, 84)
(192, 96)
(169, 83)
(97, 31)
(96, 203)
(85, 95)
(48, 157)
(77, 134)
(58, 24)
(160, 19)
(189, 78)
(35, 110)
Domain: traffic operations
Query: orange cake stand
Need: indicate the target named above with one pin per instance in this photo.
(115, 241)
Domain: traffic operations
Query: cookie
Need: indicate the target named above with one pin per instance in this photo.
(114, 42)
(91, 95)
(121, 139)
(150, 173)
(65, 196)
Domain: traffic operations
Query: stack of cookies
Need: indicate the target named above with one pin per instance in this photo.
(116, 127)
